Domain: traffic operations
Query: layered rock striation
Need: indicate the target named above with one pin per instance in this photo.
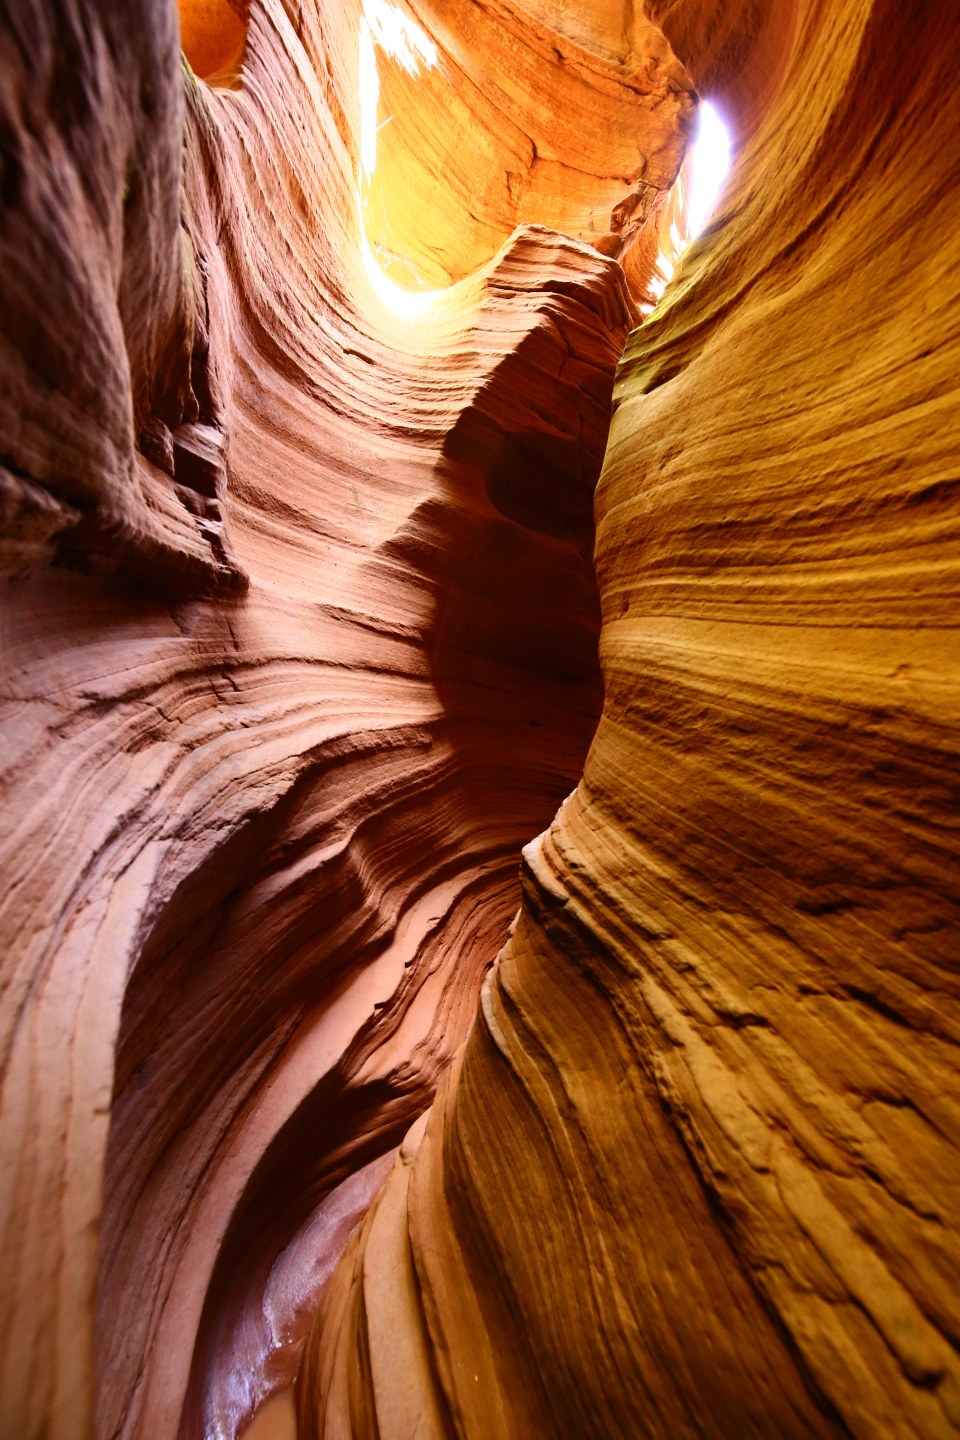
(304, 581)
(300, 648)
(696, 1172)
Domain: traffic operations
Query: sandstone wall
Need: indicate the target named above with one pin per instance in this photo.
(299, 649)
(697, 1172)
(300, 625)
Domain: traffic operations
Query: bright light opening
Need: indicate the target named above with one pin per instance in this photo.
(385, 26)
(697, 189)
(711, 161)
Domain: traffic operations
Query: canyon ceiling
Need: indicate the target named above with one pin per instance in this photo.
(480, 922)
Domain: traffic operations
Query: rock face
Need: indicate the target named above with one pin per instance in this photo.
(572, 116)
(697, 1171)
(315, 657)
(300, 620)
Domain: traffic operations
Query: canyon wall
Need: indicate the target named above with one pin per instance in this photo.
(696, 1172)
(302, 598)
(299, 649)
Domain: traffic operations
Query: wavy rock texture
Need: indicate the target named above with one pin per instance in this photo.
(316, 657)
(697, 1172)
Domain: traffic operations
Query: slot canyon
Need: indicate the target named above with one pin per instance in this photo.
(480, 746)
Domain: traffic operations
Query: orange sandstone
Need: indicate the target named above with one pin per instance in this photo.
(310, 528)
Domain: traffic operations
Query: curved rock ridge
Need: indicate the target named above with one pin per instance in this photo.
(696, 1171)
(329, 946)
(316, 656)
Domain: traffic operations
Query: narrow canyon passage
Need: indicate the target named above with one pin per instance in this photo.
(479, 720)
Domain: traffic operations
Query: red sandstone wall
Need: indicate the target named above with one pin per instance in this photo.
(697, 1171)
(300, 633)
(300, 626)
